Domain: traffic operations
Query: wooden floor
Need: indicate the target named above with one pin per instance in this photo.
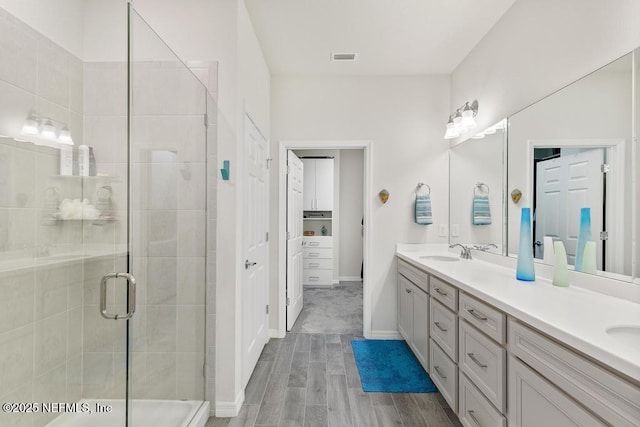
(312, 380)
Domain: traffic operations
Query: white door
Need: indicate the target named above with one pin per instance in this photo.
(563, 186)
(255, 280)
(309, 185)
(324, 184)
(295, 186)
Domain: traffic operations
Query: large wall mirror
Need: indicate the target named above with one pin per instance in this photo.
(572, 150)
(477, 190)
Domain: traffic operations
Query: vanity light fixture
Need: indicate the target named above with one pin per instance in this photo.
(48, 131)
(462, 120)
(65, 137)
(30, 127)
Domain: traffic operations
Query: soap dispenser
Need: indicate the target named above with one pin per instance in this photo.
(323, 230)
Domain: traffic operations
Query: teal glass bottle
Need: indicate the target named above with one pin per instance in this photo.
(525, 270)
(584, 236)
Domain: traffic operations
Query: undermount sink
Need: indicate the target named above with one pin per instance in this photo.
(443, 258)
(628, 334)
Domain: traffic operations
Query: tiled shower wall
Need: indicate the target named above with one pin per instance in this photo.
(54, 346)
(40, 306)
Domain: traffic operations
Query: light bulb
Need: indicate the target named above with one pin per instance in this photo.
(30, 127)
(65, 137)
(48, 131)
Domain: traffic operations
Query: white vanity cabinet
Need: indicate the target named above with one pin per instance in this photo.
(494, 369)
(413, 311)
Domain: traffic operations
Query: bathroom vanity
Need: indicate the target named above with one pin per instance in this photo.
(504, 352)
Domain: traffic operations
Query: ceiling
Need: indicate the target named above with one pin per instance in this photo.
(389, 36)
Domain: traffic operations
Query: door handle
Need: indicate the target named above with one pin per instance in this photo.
(248, 264)
(131, 292)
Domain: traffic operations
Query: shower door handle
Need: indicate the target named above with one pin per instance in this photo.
(131, 292)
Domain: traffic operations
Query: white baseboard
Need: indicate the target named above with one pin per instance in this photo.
(230, 409)
(202, 416)
(385, 335)
(350, 279)
(274, 333)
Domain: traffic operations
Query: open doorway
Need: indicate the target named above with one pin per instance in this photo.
(324, 260)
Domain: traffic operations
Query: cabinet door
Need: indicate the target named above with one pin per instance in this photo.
(533, 401)
(309, 184)
(421, 327)
(405, 308)
(324, 184)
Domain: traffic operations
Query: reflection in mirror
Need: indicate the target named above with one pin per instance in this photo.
(573, 150)
(476, 186)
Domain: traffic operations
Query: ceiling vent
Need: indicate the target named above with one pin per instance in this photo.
(344, 56)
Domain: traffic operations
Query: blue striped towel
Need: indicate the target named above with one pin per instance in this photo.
(481, 214)
(423, 210)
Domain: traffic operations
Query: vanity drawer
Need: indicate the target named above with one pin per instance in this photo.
(418, 277)
(317, 253)
(475, 409)
(444, 292)
(484, 362)
(443, 328)
(320, 263)
(613, 398)
(317, 277)
(444, 374)
(317, 242)
(484, 317)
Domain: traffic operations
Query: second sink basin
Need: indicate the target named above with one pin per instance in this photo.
(443, 258)
(628, 334)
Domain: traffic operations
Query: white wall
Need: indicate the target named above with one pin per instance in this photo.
(59, 20)
(402, 116)
(351, 186)
(539, 46)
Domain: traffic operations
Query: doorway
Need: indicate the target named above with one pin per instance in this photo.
(334, 261)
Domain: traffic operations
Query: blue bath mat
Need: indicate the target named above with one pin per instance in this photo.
(389, 366)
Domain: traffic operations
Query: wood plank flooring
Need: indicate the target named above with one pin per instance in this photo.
(312, 380)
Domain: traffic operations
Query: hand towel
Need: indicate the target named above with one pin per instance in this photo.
(423, 210)
(481, 215)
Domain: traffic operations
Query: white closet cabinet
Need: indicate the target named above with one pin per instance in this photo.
(318, 185)
(413, 312)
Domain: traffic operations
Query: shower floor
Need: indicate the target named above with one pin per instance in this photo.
(157, 413)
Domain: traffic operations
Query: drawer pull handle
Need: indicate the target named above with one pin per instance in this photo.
(408, 291)
(437, 369)
(314, 254)
(475, 360)
(476, 315)
(441, 292)
(314, 243)
(314, 278)
(314, 264)
(473, 417)
(440, 327)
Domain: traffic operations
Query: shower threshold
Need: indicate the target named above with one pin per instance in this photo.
(157, 413)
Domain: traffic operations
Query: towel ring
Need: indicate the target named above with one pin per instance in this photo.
(479, 186)
(419, 187)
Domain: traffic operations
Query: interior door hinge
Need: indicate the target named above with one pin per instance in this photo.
(288, 169)
(267, 308)
(206, 120)
(604, 235)
(267, 237)
(269, 162)
(204, 370)
(288, 235)
(605, 167)
(288, 301)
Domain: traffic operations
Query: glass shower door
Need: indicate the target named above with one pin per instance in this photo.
(167, 151)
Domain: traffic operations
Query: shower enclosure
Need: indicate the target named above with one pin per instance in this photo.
(103, 243)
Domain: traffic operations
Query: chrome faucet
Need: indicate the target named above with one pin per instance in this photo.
(465, 253)
(486, 247)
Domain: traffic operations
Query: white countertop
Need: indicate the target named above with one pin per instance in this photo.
(572, 315)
